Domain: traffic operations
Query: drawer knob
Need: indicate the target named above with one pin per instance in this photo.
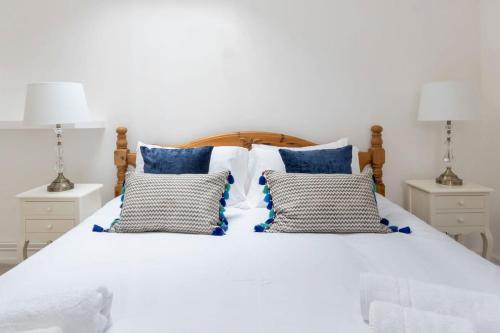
(461, 203)
(460, 220)
(50, 226)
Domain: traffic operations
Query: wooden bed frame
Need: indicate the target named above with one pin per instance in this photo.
(374, 156)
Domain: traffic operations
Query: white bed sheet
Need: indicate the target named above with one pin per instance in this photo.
(244, 281)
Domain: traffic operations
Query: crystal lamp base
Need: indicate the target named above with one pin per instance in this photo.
(60, 184)
(449, 178)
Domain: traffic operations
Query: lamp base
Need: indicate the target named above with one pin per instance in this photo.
(449, 178)
(60, 184)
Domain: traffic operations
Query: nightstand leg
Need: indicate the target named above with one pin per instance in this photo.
(22, 250)
(459, 238)
(487, 243)
(19, 252)
(25, 250)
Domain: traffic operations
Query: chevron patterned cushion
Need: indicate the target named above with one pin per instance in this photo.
(321, 203)
(187, 203)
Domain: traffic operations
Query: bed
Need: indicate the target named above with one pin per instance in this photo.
(245, 281)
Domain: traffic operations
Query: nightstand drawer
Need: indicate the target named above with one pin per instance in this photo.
(49, 225)
(48, 209)
(460, 202)
(43, 236)
(459, 219)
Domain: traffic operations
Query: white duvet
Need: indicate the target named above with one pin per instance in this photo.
(244, 281)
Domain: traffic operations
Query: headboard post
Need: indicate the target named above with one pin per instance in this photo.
(378, 157)
(121, 157)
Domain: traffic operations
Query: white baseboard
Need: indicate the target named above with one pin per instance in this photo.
(8, 251)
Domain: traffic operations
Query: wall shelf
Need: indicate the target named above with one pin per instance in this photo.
(19, 125)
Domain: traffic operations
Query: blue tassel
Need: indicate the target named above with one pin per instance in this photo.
(270, 221)
(405, 230)
(226, 195)
(121, 206)
(222, 202)
(270, 205)
(115, 221)
(262, 180)
(224, 227)
(218, 231)
(393, 228)
(122, 197)
(97, 228)
(268, 198)
(272, 213)
(223, 219)
(265, 190)
(230, 179)
(259, 228)
(384, 221)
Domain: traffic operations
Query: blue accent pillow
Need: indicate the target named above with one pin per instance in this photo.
(176, 161)
(318, 161)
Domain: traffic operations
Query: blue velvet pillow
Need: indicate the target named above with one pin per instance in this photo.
(318, 161)
(176, 161)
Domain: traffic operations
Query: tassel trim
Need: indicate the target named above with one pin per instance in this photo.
(395, 228)
(223, 224)
(262, 180)
(98, 228)
(268, 199)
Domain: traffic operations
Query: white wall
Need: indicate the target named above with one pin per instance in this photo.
(176, 70)
(490, 125)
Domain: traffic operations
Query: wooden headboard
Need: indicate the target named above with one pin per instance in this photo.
(374, 156)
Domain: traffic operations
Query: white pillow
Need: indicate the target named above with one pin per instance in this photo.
(234, 159)
(265, 157)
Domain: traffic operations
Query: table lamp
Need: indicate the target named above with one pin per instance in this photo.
(448, 101)
(56, 104)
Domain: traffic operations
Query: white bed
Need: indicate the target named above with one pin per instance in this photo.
(243, 281)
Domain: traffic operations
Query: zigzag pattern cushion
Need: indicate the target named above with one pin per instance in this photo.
(188, 203)
(321, 203)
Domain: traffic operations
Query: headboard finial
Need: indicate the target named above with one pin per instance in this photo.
(121, 138)
(378, 157)
(377, 141)
(121, 153)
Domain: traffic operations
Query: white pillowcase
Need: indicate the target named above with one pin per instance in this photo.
(265, 157)
(234, 159)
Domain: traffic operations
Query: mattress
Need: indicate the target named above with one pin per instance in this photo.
(243, 281)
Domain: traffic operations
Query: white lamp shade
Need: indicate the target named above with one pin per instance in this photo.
(449, 100)
(51, 103)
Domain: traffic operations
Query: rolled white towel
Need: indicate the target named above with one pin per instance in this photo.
(393, 318)
(481, 309)
(75, 311)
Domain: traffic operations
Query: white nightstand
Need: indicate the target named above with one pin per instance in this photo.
(456, 210)
(47, 215)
